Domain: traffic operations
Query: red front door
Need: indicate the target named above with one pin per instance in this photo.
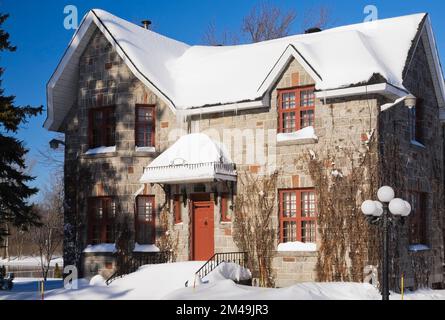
(203, 230)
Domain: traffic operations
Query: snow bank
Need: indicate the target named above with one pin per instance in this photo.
(97, 280)
(166, 281)
(29, 261)
(297, 246)
(101, 247)
(305, 133)
(228, 290)
(228, 270)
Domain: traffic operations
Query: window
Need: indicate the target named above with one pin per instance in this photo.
(177, 206)
(415, 120)
(298, 215)
(225, 213)
(102, 127)
(145, 219)
(417, 218)
(296, 109)
(145, 126)
(101, 216)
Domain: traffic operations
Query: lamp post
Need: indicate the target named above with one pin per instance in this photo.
(378, 212)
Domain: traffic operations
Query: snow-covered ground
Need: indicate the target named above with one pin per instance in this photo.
(31, 261)
(167, 281)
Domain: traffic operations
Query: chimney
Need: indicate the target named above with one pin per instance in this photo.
(146, 24)
(312, 30)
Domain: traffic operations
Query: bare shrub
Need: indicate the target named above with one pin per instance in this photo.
(254, 231)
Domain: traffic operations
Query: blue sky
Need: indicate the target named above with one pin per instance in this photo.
(36, 27)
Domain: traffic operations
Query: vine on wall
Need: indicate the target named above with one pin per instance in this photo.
(347, 242)
(167, 241)
(253, 226)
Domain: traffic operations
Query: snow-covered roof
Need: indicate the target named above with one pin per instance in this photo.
(188, 77)
(192, 158)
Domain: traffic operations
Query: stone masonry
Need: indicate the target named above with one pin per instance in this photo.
(105, 80)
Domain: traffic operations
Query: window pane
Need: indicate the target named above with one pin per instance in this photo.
(288, 100)
(145, 223)
(289, 204)
(144, 114)
(306, 118)
(289, 122)
(144, 136)
(289, 231)
(145, 234)
(308, 231)
(308, 204)
(307, 98)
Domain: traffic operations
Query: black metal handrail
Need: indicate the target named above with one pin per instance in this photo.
(136, 260)
(218, 258)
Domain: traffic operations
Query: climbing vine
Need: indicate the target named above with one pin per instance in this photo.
(347, 242)
(254, 231)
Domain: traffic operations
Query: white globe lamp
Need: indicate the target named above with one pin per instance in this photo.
(368, 207)
(385, 194)
(378, 211)
(397, 207)
(408, 209)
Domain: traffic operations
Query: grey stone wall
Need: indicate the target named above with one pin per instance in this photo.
(423, 171)
(339, 124)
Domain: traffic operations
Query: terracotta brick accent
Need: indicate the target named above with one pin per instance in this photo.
(164, 124)
(254, 168)
(295, 181)
(130, 170)
(288, 259)
(108, 65)
(295, 78)
(227, 232)
(364, 137)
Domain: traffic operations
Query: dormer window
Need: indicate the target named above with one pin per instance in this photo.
(296, 108)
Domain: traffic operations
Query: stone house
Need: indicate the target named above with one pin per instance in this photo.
(153, 124)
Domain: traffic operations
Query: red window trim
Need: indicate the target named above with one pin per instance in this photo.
(103, 127)
(225, 208)
(138, 124)
(298, 218)
(297, 109)
(177, 208)
(101, 223)
(153, 219)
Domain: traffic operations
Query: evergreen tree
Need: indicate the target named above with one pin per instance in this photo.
(14, 192)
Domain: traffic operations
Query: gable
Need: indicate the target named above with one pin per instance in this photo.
(423, 65)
